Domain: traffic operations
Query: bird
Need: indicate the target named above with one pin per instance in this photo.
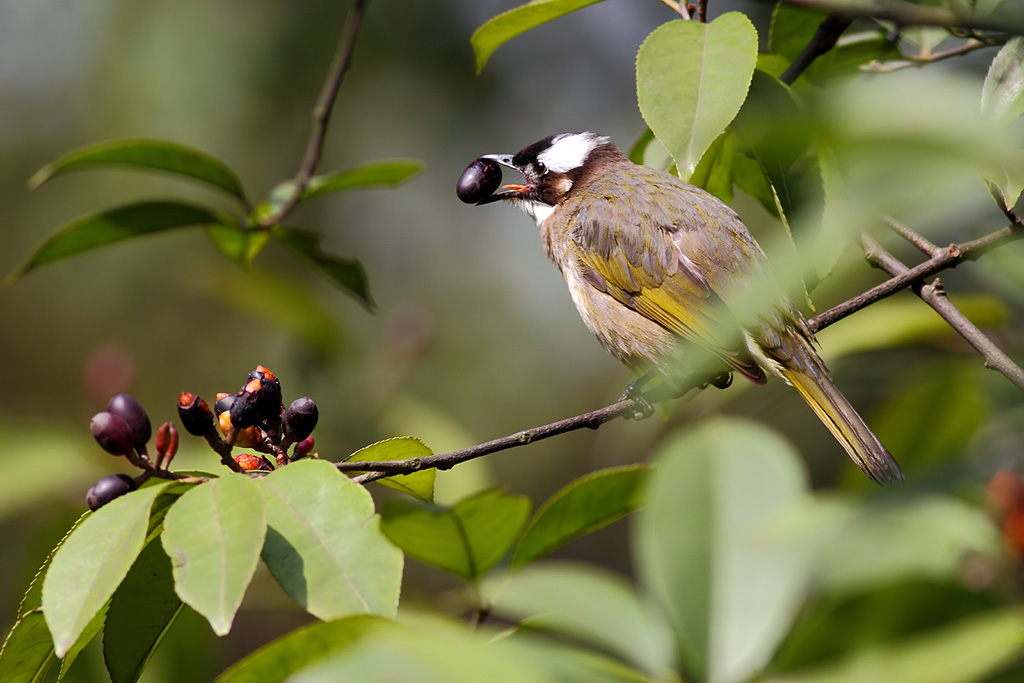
(668, 277)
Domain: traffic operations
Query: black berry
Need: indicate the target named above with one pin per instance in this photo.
(301, 417)
(112, 433)
(132, 412)
(479, 181)
(107, 489)
(196, 416)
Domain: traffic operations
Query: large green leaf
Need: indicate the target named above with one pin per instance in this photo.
(240, 244)
(707, 551)
(324, 544)
(213, 536)
(504, 27)
(345, 273)
(792, 28)
(92, 562)
(584, 505)
(467, 539)
(27, 654)
(592, 605)
(141, 612)
(968, 650)
(154, 154)
(369, 175)
(692, 79)
(301, 648)
(114, 225)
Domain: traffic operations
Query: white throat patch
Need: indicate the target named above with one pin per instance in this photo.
(569, 151)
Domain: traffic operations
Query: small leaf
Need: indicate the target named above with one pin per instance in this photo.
(348, 274)
(467, 539)
(92, 562)
(714, 172)
(324, 544)
(418, 484)
(155, 154)
(241, 245)
(706, 549)
(504, 27)
(376, 173)
(107, 227)
(592, 605)
(589, 503)
(300, 648)
(1002, 95)
(213, 536)
(638, 152)
(141, 612)
(692, 79)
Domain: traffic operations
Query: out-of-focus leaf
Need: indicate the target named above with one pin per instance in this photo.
(930, 420)
(792, 29)
(377, 173)
(324, 544)
(692, 79)
(638, 152)
(851, 53)
(154, 154)
(714, 171)
(902, 321)
(348, 274)
(27, 654)
(467, 539)
(107, 227)
(213, 536)
(749, 176)
(592, 605)
(91, 563)
(928, 539)
(301, 648)
(589, 503)
(502, 28)
(1002, 95)
(418, 484)
(705, 547)
(968, 650)
(141, 612)
(239, 244)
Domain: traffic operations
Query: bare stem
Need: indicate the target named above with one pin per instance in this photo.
(910, 14)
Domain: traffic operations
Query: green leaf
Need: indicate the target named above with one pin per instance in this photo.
(141, 612)
(107, 227)
(638, 152)
(504, 27)
(589, 503)
(792, 28)
(588, 604)
(926, 538)
(467, 539)
(348, 274)
(241, 245)
(92, 562)
(377, 173)
(155, 154)
(418, 484)
(301, 648)
(706, 549)
(91, 630)
(27, 654)
(692, 79)
(1002, 95)
(967, 650)
(324, 544)
(213, 536)
(714, 172)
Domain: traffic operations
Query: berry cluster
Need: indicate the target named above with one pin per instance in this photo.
(255, 418)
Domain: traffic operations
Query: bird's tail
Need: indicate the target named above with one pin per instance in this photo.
(846, 425)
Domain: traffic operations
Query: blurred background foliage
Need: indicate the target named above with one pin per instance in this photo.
(474, 335)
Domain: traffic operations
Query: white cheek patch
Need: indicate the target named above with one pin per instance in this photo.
(569, 151)
(539, 210)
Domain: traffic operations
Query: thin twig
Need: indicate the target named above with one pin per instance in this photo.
(909, 14)
(824, 39)
(915, 238)
(934, 295)
(909, 61)
(321, 114)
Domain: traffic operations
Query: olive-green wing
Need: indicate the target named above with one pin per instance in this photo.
(660, 258)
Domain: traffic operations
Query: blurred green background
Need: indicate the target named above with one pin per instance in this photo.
(474, 335)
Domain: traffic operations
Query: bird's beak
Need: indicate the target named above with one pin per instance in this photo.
(505, 191)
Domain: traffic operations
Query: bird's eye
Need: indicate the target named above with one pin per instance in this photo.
(541, 168)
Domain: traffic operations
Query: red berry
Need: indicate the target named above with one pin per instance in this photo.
(304, 447)
(249, 462)
(166, 441)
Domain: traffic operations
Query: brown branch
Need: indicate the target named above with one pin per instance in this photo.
(321, 115)
(934, 295)
(909, 14)
(824, 39)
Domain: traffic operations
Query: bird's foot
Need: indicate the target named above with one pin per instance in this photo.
(642, 408)
(722, 381)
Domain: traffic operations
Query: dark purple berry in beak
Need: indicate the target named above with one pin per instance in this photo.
(479, 181)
